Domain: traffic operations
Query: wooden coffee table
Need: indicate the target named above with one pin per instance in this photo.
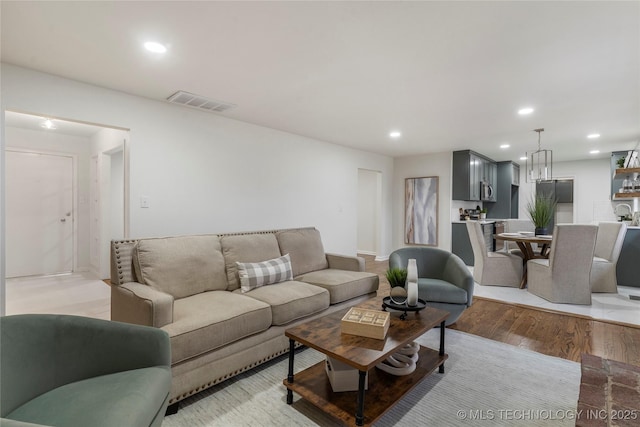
(384, 390)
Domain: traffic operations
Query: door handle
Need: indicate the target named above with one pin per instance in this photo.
(63, 220)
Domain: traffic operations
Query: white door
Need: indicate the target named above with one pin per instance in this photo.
(39, 209)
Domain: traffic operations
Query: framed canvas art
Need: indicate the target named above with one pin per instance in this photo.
(421, 211)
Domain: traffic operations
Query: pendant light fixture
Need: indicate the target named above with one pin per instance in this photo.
(539, 163)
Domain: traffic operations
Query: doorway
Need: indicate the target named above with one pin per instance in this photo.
(51, 137)
(40, 225)
(369, 211)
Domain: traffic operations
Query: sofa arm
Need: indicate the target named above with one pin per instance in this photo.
(343, 262)
(140, 304)
(456, 272)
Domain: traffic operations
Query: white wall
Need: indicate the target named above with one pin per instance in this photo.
(51, 142)
(591, 189)
(368, 207)
(439, 165)
(206, 173)
(108, 146)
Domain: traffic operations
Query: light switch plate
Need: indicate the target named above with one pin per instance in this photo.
(144, 201)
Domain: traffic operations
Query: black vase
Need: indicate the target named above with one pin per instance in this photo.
(541, 230)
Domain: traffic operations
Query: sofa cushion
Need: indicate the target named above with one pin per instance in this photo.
(342, 284)
(180, 266)
(255, 274)
(305, 248)
(209, 320)
(441, 291)
(128, 398)
(246, 248)
(291, 300)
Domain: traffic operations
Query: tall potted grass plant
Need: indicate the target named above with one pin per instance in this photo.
(541, 210)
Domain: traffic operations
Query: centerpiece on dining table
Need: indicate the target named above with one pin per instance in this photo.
(541, 210)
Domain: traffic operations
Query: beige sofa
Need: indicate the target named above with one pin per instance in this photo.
(189, 287)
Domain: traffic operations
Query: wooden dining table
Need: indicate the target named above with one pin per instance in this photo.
(524, 242)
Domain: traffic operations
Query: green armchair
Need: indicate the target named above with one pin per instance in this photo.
(444, 281)
(59, 370)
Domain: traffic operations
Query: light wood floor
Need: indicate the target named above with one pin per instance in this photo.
(555, 334)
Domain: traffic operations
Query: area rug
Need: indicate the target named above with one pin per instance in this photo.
(486, 383)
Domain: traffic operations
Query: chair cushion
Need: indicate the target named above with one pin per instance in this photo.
(255, 274)
(342, 284)
(441, 291)
(247, 248)
(180, 266)
(213, 319)
(291, 300)
(129, 398)
(305, 247)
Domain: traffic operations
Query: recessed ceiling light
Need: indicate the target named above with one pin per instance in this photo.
(593, 135)
(155, 47)
(395, 134)
(48, 124)
(594, 151)
(525, 111)
(503, 146)
(523, 158)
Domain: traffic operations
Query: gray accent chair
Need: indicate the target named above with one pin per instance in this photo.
(605, 258)
(566, 276)
(60, 370)
(493, 268)
(444, 281)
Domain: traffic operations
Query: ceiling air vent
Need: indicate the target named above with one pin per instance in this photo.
(200, 102)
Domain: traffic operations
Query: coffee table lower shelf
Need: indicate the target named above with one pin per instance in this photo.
(384, 390)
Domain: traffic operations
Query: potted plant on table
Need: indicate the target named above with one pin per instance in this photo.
(397, 277)
(483, 213)
(541, 210)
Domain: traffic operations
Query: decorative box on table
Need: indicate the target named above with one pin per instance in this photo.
(342, 376)
(366, 323)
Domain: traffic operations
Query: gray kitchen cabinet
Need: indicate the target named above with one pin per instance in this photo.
(564, 191)
(627, 267)
(490, 177)
(506, 205)
(515, 174)
(470, 171)
(560, 190)
(461, 245)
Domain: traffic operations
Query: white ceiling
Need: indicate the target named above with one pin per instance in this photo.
(64, 127)
(448, 75)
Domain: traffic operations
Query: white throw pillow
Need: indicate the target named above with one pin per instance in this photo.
(255, 274)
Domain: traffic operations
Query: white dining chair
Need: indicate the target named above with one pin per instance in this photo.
(566, 276)
(492, 268)
(605, 258)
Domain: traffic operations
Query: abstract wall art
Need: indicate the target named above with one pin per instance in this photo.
(421, 211)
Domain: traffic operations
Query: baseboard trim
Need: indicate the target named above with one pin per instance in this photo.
(366, 252)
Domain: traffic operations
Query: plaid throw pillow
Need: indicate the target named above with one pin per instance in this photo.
(255, 274)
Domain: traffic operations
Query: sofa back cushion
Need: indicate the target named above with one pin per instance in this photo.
(181, 266)
(246, 248)
(304, 246)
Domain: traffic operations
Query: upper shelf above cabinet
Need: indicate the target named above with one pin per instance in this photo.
(623, 173)
(618, 175)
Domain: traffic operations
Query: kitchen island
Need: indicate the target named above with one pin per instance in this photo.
(628, 268)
